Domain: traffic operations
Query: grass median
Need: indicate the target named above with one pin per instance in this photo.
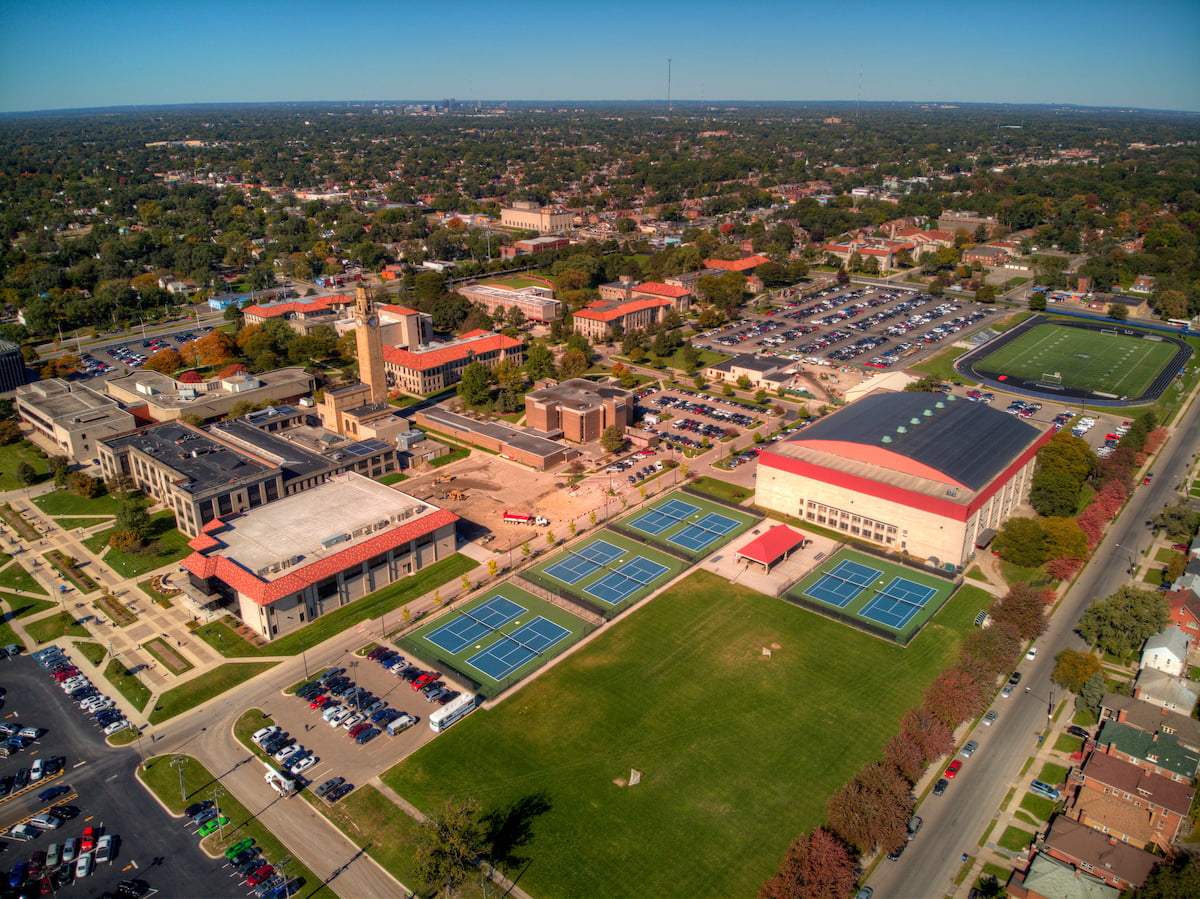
(46, 630)
(15, 577)
(162, 778)
(206, 686)
(127, 684)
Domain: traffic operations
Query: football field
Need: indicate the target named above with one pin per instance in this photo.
(1080, 358)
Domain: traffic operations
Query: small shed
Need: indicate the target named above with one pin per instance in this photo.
(772, 547)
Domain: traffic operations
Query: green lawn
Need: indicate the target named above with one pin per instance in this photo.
(204, 687)
(1039, 806)
(49, 629)
(1068, 744)
(1092, 360)
(226, 641)
(12, 456)
(127, 684)
(15, 577)
(394, 478)
(740, 751)
(722, 489)
(1053, 774)
(64, 502)
(23, 605)
(93, 652)
(163, 779)
(9, 637)
(942, 365)
(168, 544)
(1014, 839)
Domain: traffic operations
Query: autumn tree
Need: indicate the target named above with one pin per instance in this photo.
(906, 755)
(873, 809)
(1122, 621)
(1023, 608)
(993, 649)
(211, 349)
(928, 732)
(1072, 668)
(84, 485)
(164, 361)
(954, 696)
(1022, 541)
(816, 866)
(572, 365)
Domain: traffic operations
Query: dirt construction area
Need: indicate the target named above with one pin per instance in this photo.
(490, 485)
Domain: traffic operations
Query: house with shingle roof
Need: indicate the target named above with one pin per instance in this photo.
(1118, 864)
(1156, 752)
(1049, 878)
(1170, 692)
(1128, 802)
(1152, 719)
(1166, 651)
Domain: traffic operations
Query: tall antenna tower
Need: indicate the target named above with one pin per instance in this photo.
(668, 85)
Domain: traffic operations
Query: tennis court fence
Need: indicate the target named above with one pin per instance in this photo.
(852, 620)
(954, 577)
(576, 605)
(662, 545)
(717, 500)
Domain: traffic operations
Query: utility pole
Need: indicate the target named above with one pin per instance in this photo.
(215, 795)
(178, 762)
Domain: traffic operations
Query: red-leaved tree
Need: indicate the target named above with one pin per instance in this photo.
(816, 866)
(873, 809)
(928, 732)
(993, 650)
(1023, 608)
(907, 756)
(954, 696)
(1064, 567)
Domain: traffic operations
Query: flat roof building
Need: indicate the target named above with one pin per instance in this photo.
(286, 564)
(536, 303)
(533, 217)
(917, 473)
(12, 366)
(165, 398)
(71, 416)
(579, 409)
(536, 450)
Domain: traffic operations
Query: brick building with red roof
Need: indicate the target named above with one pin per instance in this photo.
(428, 369)
(599, 319)
(282, 565)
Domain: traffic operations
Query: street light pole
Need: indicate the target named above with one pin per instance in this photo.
(178, 762)
(1132, 565)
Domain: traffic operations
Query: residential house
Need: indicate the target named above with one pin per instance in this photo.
(1170, 692)
(1185, 612)
(1049, 878)
(1118, 864)
(1143, 284)
(1166, 651)
(1190, 579)
(1156, 752)
(1152, 719)
(1127, 802)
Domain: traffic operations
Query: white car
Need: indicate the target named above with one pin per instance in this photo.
(37, 771)
(116, 726)
(287, 751)
(1032, 654)
(338, 718)
(303, 764)
(353, 720)
(83, 865)
(104, 848)
(331, 711)
(260, 736)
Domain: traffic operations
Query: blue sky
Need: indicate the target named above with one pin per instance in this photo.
(84, 53)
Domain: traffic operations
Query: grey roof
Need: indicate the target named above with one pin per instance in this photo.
(1163, 689)
(1171, 639)
(1153, 718)
(1050, 877)
(7, 346)
(1092, 847)
(969, 442)
(522, 440)
(753, 363)
(580, 392)
(204, 462)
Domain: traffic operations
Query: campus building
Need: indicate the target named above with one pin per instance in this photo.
(536, 303)
(73, 417)
(231, 467)
(283, 565)
(158, 397)
(438, 366)
(578, 409)
(532, 217)
(302, 314)
(599, 319)
(923, 474)
(12, 366)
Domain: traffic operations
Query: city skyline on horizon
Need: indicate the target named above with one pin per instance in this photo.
(81, 56)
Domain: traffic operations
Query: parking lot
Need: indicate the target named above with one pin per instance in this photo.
(149, 844)
(873, 327)
(338, 753)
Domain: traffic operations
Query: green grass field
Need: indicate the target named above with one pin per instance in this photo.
(168, 544)
(739, 751)
(1088, 360)
(418, 645)
(12, 456)
(15, 577)
(204, 687)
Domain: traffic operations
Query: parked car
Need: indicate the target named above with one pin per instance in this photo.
(940, 787)
(240, 846)
(1076, 731)
(104, 849)
(211, 826)
(953, 769)
(969, 748)
(990, 718)
(330, 784)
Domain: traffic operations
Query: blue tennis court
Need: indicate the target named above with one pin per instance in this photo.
(705, 532)
(663, 517)
(513, 650)
(898, 603)
(843, 584)
(617, 586)
(584, 561)
(459, 633)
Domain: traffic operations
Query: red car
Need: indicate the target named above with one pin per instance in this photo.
(1180, 547)
(953, 769)
(65, 674)
(319, 702)
(376, 652)
(259, 875)
(1148, 478)
(88, 843)
(427, 677)
(358, 729)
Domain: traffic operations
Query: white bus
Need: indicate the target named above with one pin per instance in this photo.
(457, 708)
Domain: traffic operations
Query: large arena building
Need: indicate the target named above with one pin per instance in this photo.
(918, 473)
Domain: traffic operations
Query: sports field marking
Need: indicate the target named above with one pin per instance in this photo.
(705, 532)
(584, 561)
(513, 650)
(841, 585)
(619, 585)
(661, 518)
(459, 633)
(898, 603)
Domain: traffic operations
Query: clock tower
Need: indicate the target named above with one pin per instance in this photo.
(370, 346)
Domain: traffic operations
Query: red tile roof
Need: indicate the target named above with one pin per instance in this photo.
(736, 265)
(397, 310)
(622, 309)
(662, 290)
(274, 310)
(478, 342)
(772, 545)
(296, 579)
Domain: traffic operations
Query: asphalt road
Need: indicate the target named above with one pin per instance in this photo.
(151, 844)
(955, 821)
